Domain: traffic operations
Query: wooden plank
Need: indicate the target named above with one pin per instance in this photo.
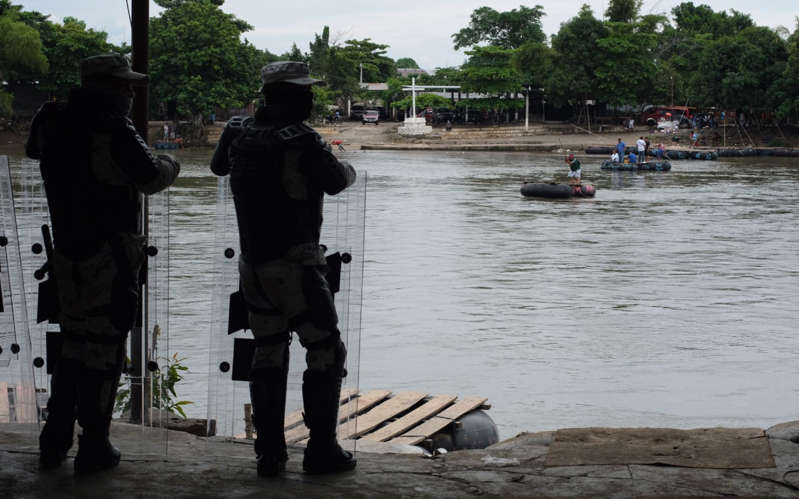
(5, 409)
(440, 421)
(403, 424)
(295, 417)
(380, 413)
(359, 404)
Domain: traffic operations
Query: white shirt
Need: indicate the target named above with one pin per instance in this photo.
(641, 143)
(614, 157)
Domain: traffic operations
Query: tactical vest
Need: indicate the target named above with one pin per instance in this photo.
(277, 206)
(88, 197)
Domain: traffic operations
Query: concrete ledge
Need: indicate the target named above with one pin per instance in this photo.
(198, 467)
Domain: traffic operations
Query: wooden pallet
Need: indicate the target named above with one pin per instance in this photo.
(404, 418)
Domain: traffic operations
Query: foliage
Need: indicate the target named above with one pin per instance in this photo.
(376, 65)
(489, 70)
(737, 72)
(65, 45)
(508, 30)
(198, 59)
(319, 55)
(322, 100)
(20, 51)
(623, 11)
(407, 62)
(295, 54)
(575, 62)
(163, 389)
(423, 101)
(786, 90)
(533, 61)
(625, 68)
(691, 19)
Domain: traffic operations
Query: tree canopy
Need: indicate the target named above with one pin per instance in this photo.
(508, 30)
(198, 59)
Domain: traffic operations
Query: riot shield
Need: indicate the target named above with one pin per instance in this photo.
(231, 344)
(144, 384)
(141, 399)
(17, 387)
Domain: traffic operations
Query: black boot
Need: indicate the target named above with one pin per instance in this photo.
(96, 397)
(320, 395)
(56, 437)
(268, 396)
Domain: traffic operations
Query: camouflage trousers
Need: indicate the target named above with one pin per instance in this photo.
(98, 298)
(284, 297)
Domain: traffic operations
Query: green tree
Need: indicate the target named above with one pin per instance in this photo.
(295, 54)
(65, 45)
(20, 51)
(786, 90)
(198, 58)
(739, 71)
(623, 11)
(407, 62)
(533, 61)
(702, 19)
(625, 67)
(575, 61)
(319, 55)
(377, 67)
(508, 30)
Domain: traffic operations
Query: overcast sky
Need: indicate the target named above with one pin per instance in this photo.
(420, 29)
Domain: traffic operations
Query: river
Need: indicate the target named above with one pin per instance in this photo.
(668, 300)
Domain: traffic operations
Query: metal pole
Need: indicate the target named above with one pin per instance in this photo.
(527, 109)
(413, 94)
(140, 44)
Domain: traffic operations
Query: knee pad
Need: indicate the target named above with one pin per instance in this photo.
(327, 356)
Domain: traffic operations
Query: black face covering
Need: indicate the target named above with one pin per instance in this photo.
(288, 102)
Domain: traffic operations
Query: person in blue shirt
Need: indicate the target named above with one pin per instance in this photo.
(633, 157)
(620, 148)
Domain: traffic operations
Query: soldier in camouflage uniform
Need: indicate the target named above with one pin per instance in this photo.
(95, 167)
(280, 170)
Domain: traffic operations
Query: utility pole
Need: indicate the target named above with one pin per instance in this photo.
(527, 109)
(140, 17)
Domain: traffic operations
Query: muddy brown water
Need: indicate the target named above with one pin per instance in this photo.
(667, 300)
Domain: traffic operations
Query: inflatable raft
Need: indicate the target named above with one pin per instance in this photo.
(660, 166)
(557, 191)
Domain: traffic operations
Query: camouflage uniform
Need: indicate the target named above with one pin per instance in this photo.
(95, 167)
(280, 170)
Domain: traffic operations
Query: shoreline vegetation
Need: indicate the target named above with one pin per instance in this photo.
(719, 66)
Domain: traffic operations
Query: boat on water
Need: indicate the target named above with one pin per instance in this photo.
(660, 166)
(557, 191)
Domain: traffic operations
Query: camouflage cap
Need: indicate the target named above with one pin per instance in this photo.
(115, 65)
(288, 71)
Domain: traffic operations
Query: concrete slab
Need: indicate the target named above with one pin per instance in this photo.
(201, 467)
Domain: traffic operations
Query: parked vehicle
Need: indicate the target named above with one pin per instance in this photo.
(654, 114)
(356, 112)
(443, 115)
(370, 116)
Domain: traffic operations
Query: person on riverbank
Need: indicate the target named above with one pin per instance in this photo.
(95, 167)
(280, 169)
(575, 170)
(620, 147)
(640, 144)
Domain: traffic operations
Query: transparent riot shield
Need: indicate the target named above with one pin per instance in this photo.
(231, 344)
(33, 227)
(18, 408)
(144, 384)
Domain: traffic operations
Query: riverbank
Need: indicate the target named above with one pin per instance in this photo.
(592, 462)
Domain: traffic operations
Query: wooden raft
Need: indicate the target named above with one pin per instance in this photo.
(402, 418)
